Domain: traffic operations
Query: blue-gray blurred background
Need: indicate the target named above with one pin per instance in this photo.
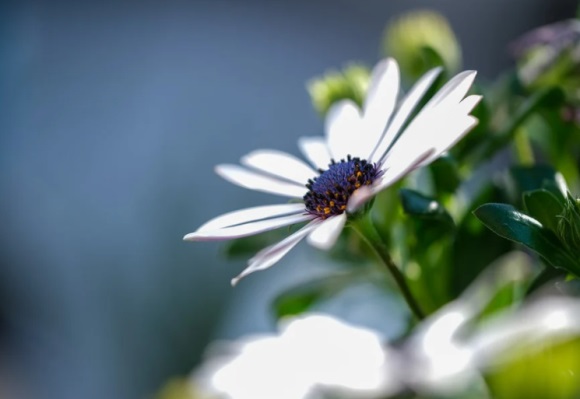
(113, 114)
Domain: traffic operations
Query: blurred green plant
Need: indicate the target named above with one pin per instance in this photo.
(421, 40)
(550, 56)
(549, 371)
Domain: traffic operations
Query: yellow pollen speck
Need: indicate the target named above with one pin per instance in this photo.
(326, 210)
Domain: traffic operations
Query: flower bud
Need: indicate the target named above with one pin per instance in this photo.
(421, 40)
(350, 83)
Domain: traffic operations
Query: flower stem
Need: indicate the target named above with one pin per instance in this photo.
(523, 149)
(365, 227)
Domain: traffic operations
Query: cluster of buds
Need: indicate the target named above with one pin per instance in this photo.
(350, 83)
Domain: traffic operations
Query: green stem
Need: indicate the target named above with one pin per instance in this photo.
(368, 232)
(551, 96)
(523, 148)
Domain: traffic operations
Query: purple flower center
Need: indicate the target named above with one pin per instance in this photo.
(328, 193)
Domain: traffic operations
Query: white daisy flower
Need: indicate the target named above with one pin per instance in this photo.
(363, 152)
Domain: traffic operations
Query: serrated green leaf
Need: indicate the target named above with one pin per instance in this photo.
(506, 221)
(543, 206)
(419, 205)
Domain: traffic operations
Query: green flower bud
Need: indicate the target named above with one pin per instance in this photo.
(350, 83)
(420, 40)
(569, 224)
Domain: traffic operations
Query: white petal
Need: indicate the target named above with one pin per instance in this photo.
(325, 235)
(454, 90)
(343, 126)
(272, 254)
(430, 129)
(257, 181)
(315, 150)
(250, 215)
(280, 164)
(379, 104)
(451, 136)
(391, 176)
(400, 170)
(405, 109)
(420, 135)
(358, 198)
(248, 229)
(469, 103)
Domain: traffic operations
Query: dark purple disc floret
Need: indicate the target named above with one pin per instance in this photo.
(328, 193)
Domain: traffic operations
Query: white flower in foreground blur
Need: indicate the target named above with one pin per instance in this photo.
(451, 350)
(446, 355)
(313, 354)
(363, 152)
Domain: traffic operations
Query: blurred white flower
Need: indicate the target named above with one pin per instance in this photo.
(364, 151)
(448, 353)
(312, 354)
(452, 349)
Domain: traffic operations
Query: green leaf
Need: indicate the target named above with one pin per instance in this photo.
(558, 188)
(300, 298)
(506, 221)
(543, 206)
(417, 204)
